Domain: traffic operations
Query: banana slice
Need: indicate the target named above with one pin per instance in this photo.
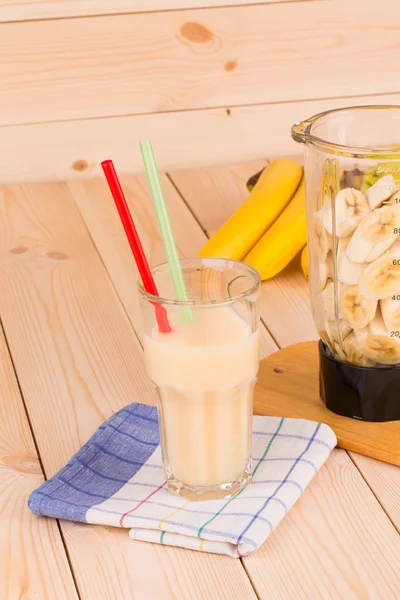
(327, 299)
(395, 199)
(379, 250)
(395, 248)
(379, 344)
(381, 279)
(353, 353)
(325, 271)
(347, 271)
(322, 239)
(381, 191)
(338, 331)
(323, 276)
(390, 309)
(339, 352)
(375, 234)
(355, 308)
(323, 334)
(351, 206)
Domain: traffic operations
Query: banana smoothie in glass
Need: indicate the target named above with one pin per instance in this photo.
(204, 372)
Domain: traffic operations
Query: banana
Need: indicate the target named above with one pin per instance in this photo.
(379, 250)
(377, 343)
(338, 330)
(339, 354)
(395, 199)
(355, 308)
(381, 278)
(304, 261)
(347, 271)
(352, 178)
(325, 269)
(322, 239)
(327, 300)
(329, 177)
(375, 234)
(390, 309)
(374, 174)
(353, 354)
(351, 206)
(325, 272)
(395, 248)
(323, 334)
(272, 192)
(280, 244)
(251, 182)
(334, 335)
(383, 189)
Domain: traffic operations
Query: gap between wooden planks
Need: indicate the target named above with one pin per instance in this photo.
(33, 562)
(10, 10)
(78, 360)
(196, 59)
(311, 554)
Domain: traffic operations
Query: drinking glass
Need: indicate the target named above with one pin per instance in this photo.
(204, 372)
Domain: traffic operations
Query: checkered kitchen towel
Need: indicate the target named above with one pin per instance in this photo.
(117, 479)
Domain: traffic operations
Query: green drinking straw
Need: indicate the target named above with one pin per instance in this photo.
(164, 224)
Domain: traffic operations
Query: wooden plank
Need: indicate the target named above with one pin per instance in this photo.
(384, 480)
(335, 543)
(213, 57)
(78, 361)
(33, 563)
(103, 223)
(285, 301)
(326, 560)
(12, 10)
(181, 140)
(148, 572)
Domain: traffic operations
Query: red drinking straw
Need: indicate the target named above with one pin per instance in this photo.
(134, 242)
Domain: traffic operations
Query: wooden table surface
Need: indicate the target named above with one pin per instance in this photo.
(71, 356)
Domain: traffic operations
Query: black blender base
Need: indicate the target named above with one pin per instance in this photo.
(366, 393)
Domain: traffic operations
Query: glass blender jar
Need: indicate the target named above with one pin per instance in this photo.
(352, 173)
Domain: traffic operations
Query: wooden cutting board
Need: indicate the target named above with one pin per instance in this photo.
(288, 386)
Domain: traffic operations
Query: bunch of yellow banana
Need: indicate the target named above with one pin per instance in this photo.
(269, 229)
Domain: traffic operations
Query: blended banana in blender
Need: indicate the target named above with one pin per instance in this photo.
(204, 372)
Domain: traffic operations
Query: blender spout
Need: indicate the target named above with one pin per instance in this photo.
(301, 131)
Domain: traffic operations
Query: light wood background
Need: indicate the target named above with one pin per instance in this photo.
(209, 81)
